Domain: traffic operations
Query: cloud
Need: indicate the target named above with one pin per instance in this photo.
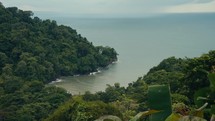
(34, 8)
(203, 1)
(114, 7)
(194, 6)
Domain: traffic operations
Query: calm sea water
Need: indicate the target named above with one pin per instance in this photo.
(141, 43)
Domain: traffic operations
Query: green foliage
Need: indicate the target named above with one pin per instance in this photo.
(173, 117)
(185, 76)
(109, 118)
(201, 96)
(170, 64)
(111, 94)
(34, 111)
(180, 117)
(29, 101)
(88, 96)
(180, 109)
(42, 50)
(3, 60)
(204, 98)
(159, 99)
(170, 71)
(134, 98)
(179, 98)
(211, 77)
(78, 110)
(197, 73)
(191, 118)
(206, 95)
(34, 52)
(143, 116)
(128, 107)
(138, 91)
(165, 77)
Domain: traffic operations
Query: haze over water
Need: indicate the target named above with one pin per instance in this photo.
(141, 43)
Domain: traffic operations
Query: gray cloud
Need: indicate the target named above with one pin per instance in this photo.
(204, 1)
(114, 7)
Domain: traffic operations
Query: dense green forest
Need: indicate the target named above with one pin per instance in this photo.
(34, 52)
(38, 49)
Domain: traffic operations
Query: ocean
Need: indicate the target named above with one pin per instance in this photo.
(141, 44)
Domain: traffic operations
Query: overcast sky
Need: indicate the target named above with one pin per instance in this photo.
(113, 7)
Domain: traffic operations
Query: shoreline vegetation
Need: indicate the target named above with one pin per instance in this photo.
(99, 70)
(33, 52)
(43, 50)
(187, 80)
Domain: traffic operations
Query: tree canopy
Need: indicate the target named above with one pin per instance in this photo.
(42, 50)
(34, 52)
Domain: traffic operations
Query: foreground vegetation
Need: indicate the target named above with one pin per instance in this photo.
(189, 79)
(34, 52)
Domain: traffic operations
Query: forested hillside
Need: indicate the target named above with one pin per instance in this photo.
(36, 49)
(187, 78)
(34, 52)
